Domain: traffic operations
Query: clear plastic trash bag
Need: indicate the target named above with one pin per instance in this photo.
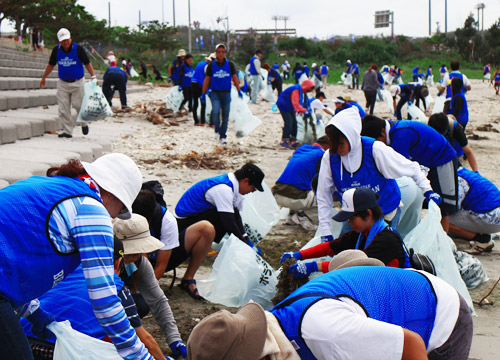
(429, 238)
(94, 104)
(438, 104)
(174, 99)
(239, 275)
(74, 345)
(268, 94)
(388, 100)
(244, 121)
(417, 114)
(260, 213)
(309, 129)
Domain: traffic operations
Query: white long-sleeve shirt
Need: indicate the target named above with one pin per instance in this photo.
(391, 165)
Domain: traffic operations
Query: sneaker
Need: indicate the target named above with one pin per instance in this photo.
(285, 144)
(216, 137)
(479, 248)
(85, 129)
(65, 135)
(223, 141)
(294, 145)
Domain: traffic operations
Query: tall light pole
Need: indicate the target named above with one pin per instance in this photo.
(162, 13)
(481, 7)
(173, 10)
(189, 26)
(219, 19)
(445, 16)
(430, 32)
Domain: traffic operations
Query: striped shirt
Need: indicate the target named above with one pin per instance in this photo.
(83, 224)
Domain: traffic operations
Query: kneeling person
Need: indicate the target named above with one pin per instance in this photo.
(192, 243)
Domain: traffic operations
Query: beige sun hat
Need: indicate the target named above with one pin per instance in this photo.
(226, 336)
(348, 258)
(135, 235)
(181, 52)
(119, 175)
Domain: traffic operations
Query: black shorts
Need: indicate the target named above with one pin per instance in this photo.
(179, 254)
(444, 181)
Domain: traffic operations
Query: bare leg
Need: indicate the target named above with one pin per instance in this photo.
(197, 241)
(445, 223)
(458, 231)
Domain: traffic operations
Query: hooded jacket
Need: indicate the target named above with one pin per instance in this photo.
(388, 162)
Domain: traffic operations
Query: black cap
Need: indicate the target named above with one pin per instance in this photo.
(254, 175)
(118, 249)
(354, 201)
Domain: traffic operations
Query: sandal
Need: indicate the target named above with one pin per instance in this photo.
(184, 285)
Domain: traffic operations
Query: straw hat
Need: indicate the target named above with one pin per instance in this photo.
(135, 235)
(348, 258)
(226, 336)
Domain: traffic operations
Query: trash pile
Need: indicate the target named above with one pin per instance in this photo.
(215, 160)
(156, 112)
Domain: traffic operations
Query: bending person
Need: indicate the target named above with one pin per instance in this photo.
(69, 225)
(354, 312)
(479, 211)
(70, 300)
(219, 201)
(370, 234)
(140, 279)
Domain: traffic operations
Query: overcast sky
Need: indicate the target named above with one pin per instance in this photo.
(320, 18)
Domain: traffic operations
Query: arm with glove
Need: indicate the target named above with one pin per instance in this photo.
(38, 318)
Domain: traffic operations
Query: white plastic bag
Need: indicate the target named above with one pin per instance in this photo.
(208, 109)
(307, 133)
(133, 73)
(74, 345)
(348, 80)
(174, 99)
(429, 238)
(388, 78)
(239, 275)
(430, 80)
(388, 100)
(268, 94)
(438, 104)
(471, 269)
(417, 114)
(260, 213)
(244, 121)
(302, 78)
(94, 104)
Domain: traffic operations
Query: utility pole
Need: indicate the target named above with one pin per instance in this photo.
(430, 31)
(162, 13)
(219, 19)
(276, 18)
(481, 7)
(446, 17)
(109, 14)
(189, 26)
(173, 10)
(139, 20)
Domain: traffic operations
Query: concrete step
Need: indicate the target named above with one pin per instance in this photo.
(23, 57)
(23, 72)
(23, 64)
(25, 158)
(28, 98)
(21, 83)
(30, 54)
(35, 73)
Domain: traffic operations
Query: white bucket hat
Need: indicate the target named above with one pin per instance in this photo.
(348, 258)
(135, 235)
(119, 175)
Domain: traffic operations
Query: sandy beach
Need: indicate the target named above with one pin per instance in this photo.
(182, 154)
